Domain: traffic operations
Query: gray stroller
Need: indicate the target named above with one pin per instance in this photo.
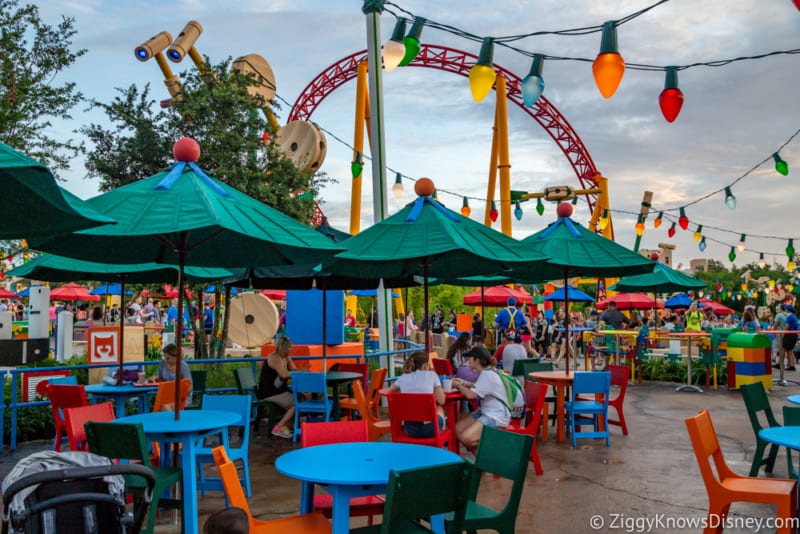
(70, 493)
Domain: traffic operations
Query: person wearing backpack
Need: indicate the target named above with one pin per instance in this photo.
(495, 410)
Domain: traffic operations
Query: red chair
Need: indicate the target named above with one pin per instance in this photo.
(534, 407)
(362, 368)
(62, 397)
(442, 366)
(416, 407)
(75, 418)
(341, 432)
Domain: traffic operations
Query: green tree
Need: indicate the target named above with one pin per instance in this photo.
(32, 55)
(215, 108)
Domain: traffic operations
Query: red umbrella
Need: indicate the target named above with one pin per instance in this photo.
(166, 292)
(716, 307)
(631, 301)
(6, 294)
(274, 294)
(497, 296)
(72, 291)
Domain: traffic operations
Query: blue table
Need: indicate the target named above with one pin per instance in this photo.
(121, 393)
(347, 470)
(794, 399)
(785, 436)
(189, 431)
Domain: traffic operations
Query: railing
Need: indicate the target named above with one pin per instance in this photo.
(14, 376)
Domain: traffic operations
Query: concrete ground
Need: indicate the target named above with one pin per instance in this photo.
(647, 481)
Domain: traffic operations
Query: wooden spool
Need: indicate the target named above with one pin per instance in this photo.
(265, 78)
(302, 142)
(253, 320)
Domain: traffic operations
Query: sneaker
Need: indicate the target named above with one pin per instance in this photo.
(790, 368)
(282, 432)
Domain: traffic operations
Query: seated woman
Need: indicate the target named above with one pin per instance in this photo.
(273, 384)
(418, 377)
(489, 387)
(169, 367)
(460, 364)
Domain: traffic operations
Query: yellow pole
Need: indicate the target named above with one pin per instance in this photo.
(358, 144)
(602, 200)
(170, 80)
(504, 160)
(487, 221)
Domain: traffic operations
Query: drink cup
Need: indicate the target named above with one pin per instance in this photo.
(447, 385)
(142, 377)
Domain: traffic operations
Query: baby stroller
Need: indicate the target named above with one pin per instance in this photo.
(70, 493)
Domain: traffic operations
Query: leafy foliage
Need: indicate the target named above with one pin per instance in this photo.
(32, 55)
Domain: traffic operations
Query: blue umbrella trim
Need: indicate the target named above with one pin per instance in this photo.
(169, 180)
(420, 202)
(566, 221)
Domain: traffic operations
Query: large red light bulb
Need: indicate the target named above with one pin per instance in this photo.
(671, 98)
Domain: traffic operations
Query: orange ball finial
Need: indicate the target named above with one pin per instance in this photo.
(424, 187)
(564, 209)
(186, 149)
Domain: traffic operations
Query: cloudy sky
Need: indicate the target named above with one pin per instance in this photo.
(733, 118)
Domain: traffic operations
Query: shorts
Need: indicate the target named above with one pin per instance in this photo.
(418, 429)
(525, 337)
(485, 419)
(285, 400)
(788, 341)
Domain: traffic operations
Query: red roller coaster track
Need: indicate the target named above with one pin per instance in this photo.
(460, 62)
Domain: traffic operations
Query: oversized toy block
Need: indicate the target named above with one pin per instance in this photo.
(742, 380)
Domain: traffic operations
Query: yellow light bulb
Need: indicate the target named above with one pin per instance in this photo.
(790, 265)
(697, 235)
(481, 80)
(639, 228)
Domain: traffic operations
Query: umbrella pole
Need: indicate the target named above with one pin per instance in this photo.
(428, 333)
(121, 336)
(324, 331)
(567, 345)
(179, 335)
(482, 321)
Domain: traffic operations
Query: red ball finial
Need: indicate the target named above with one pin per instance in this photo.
(564, 209)
(186, 149)
(424, 187)
(654, 256)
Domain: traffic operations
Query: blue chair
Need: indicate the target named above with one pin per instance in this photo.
(592, 383)
(229, 403)
(316, 403)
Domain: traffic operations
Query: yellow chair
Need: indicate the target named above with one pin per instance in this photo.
(297, 524)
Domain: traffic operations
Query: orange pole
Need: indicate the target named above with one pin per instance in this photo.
(358, 144)
(504, 162)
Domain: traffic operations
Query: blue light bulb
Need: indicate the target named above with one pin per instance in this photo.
(518, 212)
(702, 245)
(532, 88)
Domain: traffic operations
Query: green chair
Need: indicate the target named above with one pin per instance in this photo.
(503, 454)
(420, 493)
(198, 388)
(791, 417)
(246, 384)
(121, 441)
(756, 402)
(523, 367)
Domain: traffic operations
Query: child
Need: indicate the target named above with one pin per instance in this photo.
(227, 521)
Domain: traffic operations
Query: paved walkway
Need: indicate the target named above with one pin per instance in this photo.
(650, 475)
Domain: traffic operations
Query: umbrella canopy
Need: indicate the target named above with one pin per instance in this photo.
(716, 307)
(25, 292)
(55, 268)
(6, 294)
(496, 296)
(368, 293)
(573, 293)
(72, 291)
(33, 203)
(576, 251)
(110, 289)
(165, 292)
(212, 288)
(274, 294)
(631, 301)
(663, 279)
(681, 300)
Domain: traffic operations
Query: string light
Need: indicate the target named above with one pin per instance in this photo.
(671, 98)
(539, 206)
(517, 211)
(608, 67)
(397, 187)
(482, 74)
(657, 220)
(411, 41)
(466, 211)
(671, 231)
(781, 167)
(732, 254)
(702, 245)
(683, 220)
(730, 200)
(790, 249)
(790, 265)
(761, 262)
(493, 212)
(639, 226)
(533, 84)
(357, 166)
(741, 244)
(604, 219)
(394, 50)
(698, 233)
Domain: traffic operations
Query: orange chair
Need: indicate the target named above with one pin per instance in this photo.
(731, 487)
(376, 427)
(64, 396)
(442, 366)
(76, 417)
(341, 432)
(166, 394)
(314, 522)
(416, 407)
(534, 407)
(376, 381)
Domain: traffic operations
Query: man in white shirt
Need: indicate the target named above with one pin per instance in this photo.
(513, 351)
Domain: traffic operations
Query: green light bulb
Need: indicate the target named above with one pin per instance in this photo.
(539, 206)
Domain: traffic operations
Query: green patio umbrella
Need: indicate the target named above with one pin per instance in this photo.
(54, 268)
(425, 239)
(185, 217)
(33, 203)
(663, 279)
(577, 251)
